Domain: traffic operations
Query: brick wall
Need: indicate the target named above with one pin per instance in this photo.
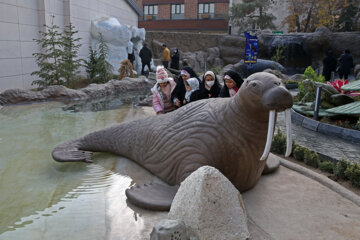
(191, 9)
(164, 11)
(221, 8)
(219, 25)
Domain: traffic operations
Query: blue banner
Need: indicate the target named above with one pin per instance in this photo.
(251, 48)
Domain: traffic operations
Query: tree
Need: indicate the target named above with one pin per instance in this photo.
(70, 62)
(307, 15)
(104, 68)
(49, 59)
(251, 14)
(97, 67)
(91, 64)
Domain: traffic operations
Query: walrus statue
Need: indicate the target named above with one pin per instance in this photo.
(233, 135)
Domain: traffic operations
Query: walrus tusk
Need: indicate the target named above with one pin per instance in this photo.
(270, 135)
(288, 132)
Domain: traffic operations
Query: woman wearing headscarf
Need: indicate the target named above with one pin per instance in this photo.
(192, 90)
(210, 86)
(178, 94)
(175, 57)
(232, 83)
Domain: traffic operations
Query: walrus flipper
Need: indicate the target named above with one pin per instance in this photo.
(272, 164)
(153, 196)
(69, 152)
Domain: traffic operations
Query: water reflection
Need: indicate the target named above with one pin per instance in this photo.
(43, 199)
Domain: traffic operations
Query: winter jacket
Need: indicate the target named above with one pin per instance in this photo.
(224, 92)
(158, 103)
(180, 90)
(329, 63)
(204, 93)
(165, 56)
(346, 63)
(175, 57)
(145, 55)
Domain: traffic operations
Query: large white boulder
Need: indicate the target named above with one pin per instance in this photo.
(120, 38)
(210, 206)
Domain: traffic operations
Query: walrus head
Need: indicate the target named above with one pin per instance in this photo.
(266, 94)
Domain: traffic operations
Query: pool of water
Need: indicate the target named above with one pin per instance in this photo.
(44, 199)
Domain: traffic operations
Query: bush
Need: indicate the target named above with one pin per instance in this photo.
(352, 172)
(311, 74)
(299, 153)
(327, 166)
(279, 143)
(340, 168)
(311, 158)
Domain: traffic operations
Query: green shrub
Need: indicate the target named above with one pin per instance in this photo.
(340, 168)
(311, 74)
(327, 166)
(311, 158)
(278, 144)
(352, 172)
(299, 153)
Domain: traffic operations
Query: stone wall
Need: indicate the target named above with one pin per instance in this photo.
(185, 42)
(21, 21)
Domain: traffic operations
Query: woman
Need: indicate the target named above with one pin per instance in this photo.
(175, 57)
(178, 94)
(162, 90)
(192, 89)
(232, 83)
(210, 86)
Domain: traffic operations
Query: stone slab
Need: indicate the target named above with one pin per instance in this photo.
(289, 205)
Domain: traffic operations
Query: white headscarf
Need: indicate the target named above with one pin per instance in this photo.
(194, 84)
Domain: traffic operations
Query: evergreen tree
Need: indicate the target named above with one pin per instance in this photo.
(70, 62)
(91, 64)
(103, 67)
(49, 59)
(251, 14)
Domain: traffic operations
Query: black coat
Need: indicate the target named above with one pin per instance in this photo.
(224, 92)
(329, 63)
(346, 63)
(180, 90)
(145, 55)
(204, 93)
(175, 57)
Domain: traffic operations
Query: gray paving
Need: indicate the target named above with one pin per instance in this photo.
(331, 146)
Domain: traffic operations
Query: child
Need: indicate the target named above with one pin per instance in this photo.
(162, 92)
(232, 83)
(192, 90)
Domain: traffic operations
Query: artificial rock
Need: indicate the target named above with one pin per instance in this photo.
(210, 206)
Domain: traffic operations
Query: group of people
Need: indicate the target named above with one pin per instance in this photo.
(146, 56)
(330, 64)
(169, 95)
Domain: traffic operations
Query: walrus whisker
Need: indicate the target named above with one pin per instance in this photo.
(288, 132)
(270, 135)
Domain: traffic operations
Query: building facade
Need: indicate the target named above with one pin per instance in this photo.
(21, 21)
(184, 15)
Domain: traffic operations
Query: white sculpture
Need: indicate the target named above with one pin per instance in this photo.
(121, 40)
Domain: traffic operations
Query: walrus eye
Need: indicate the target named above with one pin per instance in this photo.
(253, 84)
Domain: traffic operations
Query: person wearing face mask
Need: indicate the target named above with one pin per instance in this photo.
(162, 92)
(232, 83)
(178, 94)
(210, 86)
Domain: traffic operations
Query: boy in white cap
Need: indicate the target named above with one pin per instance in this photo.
(162, 92)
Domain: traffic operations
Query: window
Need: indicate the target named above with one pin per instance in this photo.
(177, 11)
(206, 10)
(150, 12)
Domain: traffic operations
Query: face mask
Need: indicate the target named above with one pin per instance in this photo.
(210, 83)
